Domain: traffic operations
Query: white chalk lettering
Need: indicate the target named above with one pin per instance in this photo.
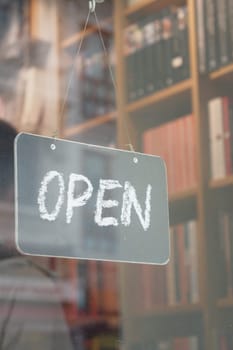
(42, 196)
(81, 200)
(129, 200)
(101, 203)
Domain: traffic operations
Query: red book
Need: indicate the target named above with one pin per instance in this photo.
(181, 344)
(147, 280)
(185, 153)
(94, 291)
(53, 264)
(166, 153)
(110, 288)
(175, 170)
(170, 162)
(157, 141)
(69, 291)
(159, 286)
(181, 153)
(223, 343)
(227, 134)
(188, 149)
(193, 155)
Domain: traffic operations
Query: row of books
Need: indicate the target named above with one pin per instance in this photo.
(182, 271)
(220, 115)
(95, 289)
(175, 143)
(178, 343)
(225, 236)
(176, 283)
(215, 33)
(156, 51)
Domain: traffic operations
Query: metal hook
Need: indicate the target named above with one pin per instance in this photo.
(92, 4)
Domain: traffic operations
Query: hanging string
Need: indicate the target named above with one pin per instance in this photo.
(109, 68)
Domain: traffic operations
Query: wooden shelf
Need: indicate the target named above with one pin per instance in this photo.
(183, 196)
(171, 310)
(90, 124)
(225, 303)
(177, 91)
(90, 30)
(143, 5)
(138, 6)
(221, 183)
(224, 73)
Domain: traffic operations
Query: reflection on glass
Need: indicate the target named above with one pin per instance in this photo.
(172, 62)
(91, 89)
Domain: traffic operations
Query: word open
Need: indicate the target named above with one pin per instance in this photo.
(129, 200)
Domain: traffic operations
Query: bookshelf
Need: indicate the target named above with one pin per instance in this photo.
(200, 202)
(172, 311)
(190, 95)
(223, 73)
(75, 38)
(221, 183)
(75, 130)
(179, 92)
(225, 303)
(143, 6)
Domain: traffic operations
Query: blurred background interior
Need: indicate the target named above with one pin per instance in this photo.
(172, 61)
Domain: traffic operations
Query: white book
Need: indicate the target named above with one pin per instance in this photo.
(193, 343)
(216, 133)
(201, 35)
(192, 232)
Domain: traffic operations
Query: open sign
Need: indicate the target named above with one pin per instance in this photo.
(82, 201)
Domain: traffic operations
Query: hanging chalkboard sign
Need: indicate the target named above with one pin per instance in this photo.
(83, 201)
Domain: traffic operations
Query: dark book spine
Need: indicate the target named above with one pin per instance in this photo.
(130, 60)
(176, 56)
(211, 32)
(201, 35)
(82, 286)
(140, 68)
(167, 36)
(159, 72)
(150, 62)
(180, 50)
(230, 27)
(222, 32)
(100, 285)
(182, 19)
